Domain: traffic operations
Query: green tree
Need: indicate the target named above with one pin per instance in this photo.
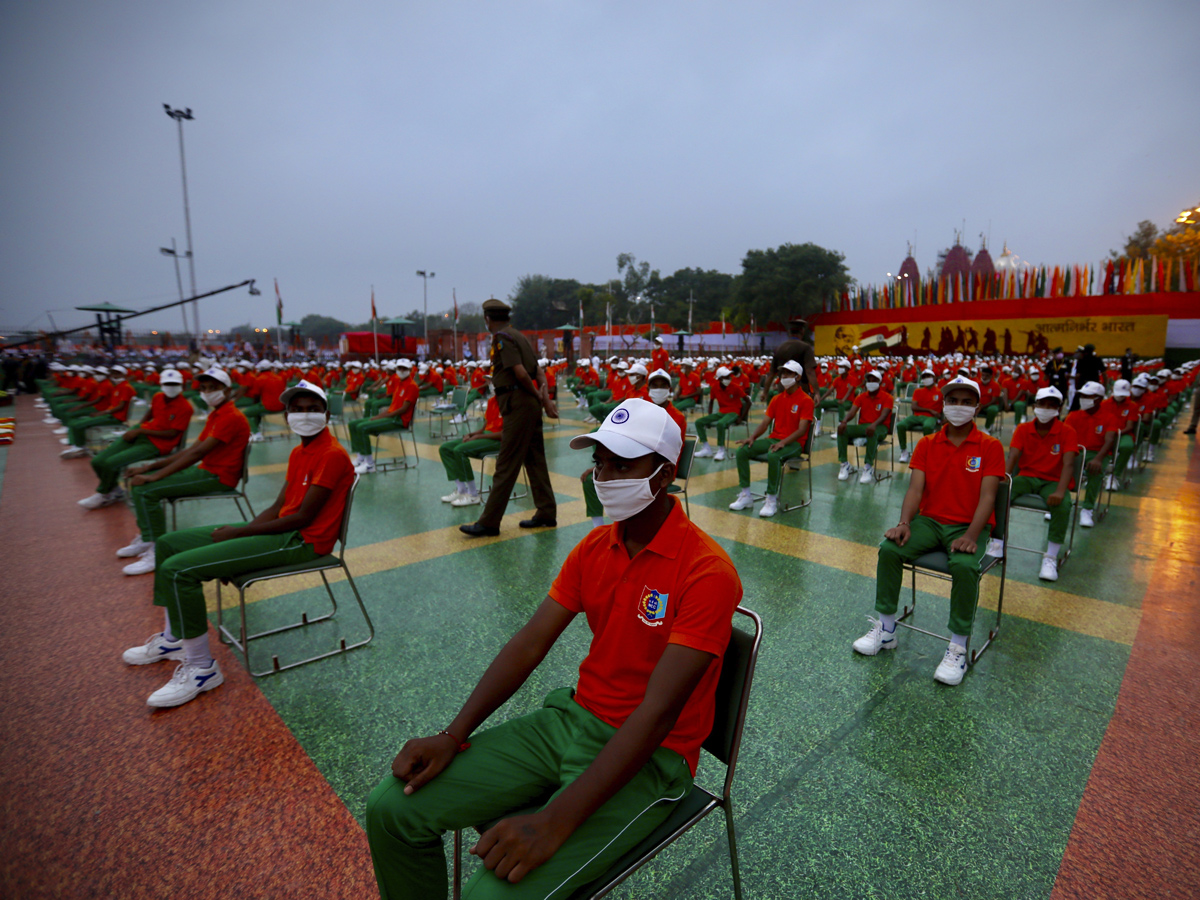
(1140, 244)
(541, 302)
(711, 290)
(793, 279)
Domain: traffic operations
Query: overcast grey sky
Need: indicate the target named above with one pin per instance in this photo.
(339, 146)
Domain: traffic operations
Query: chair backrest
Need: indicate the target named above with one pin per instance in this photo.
(1077, 474)
(909, 390)
(683, 470)
(337, 403)
(459, 398)
(1003, 505)
(246, 465)
(724, 741)
(345, 529)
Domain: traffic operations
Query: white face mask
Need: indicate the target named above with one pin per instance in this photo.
(1087, 402)
(172, 390)
(1045, 415)
(926, 382)
(787, 383)
(1137, 391)
(100, 377)
(306, 424)
(213, 398)
(725, 382)
(116, 379)
(872, 386)
(659, 395)
(959, 415)
(625, 497)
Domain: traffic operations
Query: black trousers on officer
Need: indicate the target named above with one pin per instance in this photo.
(521, 444)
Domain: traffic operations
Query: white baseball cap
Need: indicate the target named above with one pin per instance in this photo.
(1121, 388)
(792, 366)
(170, 376)
(659, 373)
(960, 381)
(637, 369)
(633, 429)
(723, 372)
(1050, 392)
(1093, 389)
(217, 374)
(303, 387)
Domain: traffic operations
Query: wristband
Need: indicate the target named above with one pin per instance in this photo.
(462, 745)
(905, 524)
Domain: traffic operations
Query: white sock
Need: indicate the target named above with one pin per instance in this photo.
(1052, 549)
(196, 651)
(472, 490)
(597, 521)
(960, 640)
(460, 487)
(167, 635)
(888, 621)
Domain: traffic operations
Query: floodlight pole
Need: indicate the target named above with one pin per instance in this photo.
(173, 253)
(425, 276)
(179, 115)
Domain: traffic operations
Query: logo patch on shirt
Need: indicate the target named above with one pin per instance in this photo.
(1054, 450)
(974, 463)
(652, 608)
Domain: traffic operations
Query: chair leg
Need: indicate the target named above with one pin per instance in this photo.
(733, 854)
(456, 891)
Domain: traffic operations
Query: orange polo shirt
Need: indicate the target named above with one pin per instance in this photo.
(118, 401)
(989, 393)
(689, 384)
(271, 386)
(787, 410)
(1090, 426)
(729, 399)
(681, 589)
(1123, 414)
(406, 391)
(954, 475)
(1042, 455)
(927, 398)
(843, 386)
(227, 424)
(873, 407)
(168, 414)
(493, 421)
(324, 462)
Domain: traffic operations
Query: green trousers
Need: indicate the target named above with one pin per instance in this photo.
(834, 403)
(851, 432)
(760, 450)
(362, 430)
(927, 424)
(1018, 412)
(1094, 484)
(457, 455)
(721, 420)
(254, 414)
(1125, 448)
(1060, 516)
(926, 535)
(148, 498)
(683, 405)
(77, 426)
(112, 460)
(184, 560)
(599, 411)
(989, 414)
(521, 764)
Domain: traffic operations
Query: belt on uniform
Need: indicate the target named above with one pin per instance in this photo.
(501, 391)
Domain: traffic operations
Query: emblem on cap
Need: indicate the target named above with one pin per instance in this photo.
(619, 417)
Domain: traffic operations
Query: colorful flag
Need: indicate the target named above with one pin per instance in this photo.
(454, 294)
(374, 315)
(278, 305)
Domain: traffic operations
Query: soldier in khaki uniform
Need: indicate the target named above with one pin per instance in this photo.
(522, 395)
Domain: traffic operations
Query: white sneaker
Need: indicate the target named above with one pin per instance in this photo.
(875, 640)
(116, 495)
(1111, 483)
(451, 497)
(73, 453)
(1149, 453)
(466, 500)
(719, 455)
(995, 548)
(953, 666)
(702, 452)
(62, 429)
(1049, 571)
(1047, 517)
(867, 476)
(136, 547)
(905, 456)
(143, 566)
(589, 419)
(817, 428)
(1085, 518)
(95, 501)
(744, 500)
(845, 471)
(156, 649)
(1132, 464)
(770, 506)
(50, 420)
(365, 467)
(257, 438)
(188, 682)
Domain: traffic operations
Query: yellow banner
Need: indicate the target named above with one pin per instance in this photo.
(1145, 335)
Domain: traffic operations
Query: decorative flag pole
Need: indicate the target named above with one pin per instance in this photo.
(278, 321)
(454, 294)
(374, 327)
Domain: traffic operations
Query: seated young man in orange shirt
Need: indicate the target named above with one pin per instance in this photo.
(949, 506)
(873, 409)
(398, 415)
(926, 413)
(1098, 431)
(302, 525)
(456, 455)
(1041, 459)
(606, 760)
(731, 402)
(113, 410)
(213, 463)
(789, 417)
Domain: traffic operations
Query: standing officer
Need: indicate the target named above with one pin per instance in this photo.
(797, 349)
(521, 394)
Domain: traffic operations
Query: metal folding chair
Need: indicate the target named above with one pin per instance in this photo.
(724, 742)
(236, 494)
(936, 564)
(684, 471)
(457, 406)
(241, 641)
(399, 462)
(796, 464)
(484, 488)
(1034, 503)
